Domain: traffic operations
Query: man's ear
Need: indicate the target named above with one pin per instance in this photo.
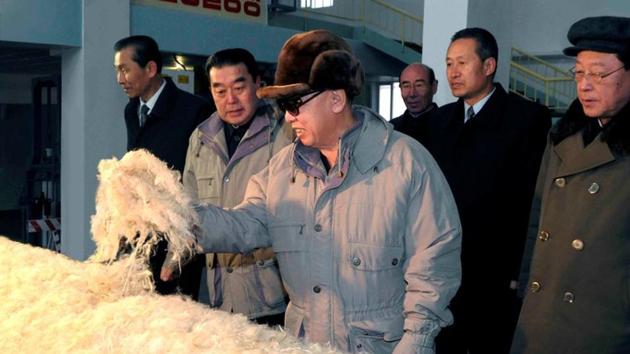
(489, 66)
(434, 87)
(151, 68)
(338, 99)
(257, 81)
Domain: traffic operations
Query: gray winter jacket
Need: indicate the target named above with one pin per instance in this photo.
(243, 283)
(369, 253)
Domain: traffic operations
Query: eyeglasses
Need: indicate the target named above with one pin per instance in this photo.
(293, 104)
(596, 78)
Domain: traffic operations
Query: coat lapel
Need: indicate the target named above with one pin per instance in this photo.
(597, 153)
(165, 102)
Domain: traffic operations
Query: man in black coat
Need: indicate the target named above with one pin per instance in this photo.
(488, 144)
(417, 88)
(160, 118)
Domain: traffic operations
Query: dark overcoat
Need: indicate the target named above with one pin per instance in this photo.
(165, 134)
(578, 295)
(491, 163)
(415, 127)
(169, 125)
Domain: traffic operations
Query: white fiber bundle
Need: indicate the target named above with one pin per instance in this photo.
(52, 304)
(138, 199)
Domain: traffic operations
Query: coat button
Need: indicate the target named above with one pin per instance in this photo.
(226, 179)
(543, 235)
(560, 182)
(318, 228)
(594, 188)
(229, 270)
(577, 244)
(395, 261)
(317, 289)
(356, 261)
(534, 287)
(568, 297)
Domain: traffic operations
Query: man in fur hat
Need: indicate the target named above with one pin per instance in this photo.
(361, 219)
(577, 297)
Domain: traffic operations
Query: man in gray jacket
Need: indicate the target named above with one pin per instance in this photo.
(360, 217)
(224, 151)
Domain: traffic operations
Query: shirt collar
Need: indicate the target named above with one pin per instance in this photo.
(151, 102)
(479, 105)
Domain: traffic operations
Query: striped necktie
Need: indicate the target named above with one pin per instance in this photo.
(144, 114)
(470, 114)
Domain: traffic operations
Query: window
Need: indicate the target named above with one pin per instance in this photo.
(316, 4)
(390, 103)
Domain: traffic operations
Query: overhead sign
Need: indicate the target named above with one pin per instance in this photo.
(246, 10)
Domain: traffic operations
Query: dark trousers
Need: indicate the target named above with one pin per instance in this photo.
(188, 281)
(481, 326)
(271, 320)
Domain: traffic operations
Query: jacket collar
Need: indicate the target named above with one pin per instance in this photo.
(214, 125)
(370, 146)
(428, 109)
(212, 133)
(364, 145)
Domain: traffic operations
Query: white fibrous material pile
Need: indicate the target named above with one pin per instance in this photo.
(52, 304)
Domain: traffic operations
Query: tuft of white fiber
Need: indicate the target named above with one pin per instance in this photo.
(138, 202)
(52, 304)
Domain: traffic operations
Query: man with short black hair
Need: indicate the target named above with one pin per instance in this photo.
(160, 118)
(577, 287)
(236, 142)
(489, 144)
(361, 220)
(417, 88)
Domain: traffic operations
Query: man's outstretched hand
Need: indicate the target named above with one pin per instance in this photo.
(173, 262)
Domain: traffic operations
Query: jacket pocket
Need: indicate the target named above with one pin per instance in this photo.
(208, 188)
(269, 282)
(374, 258)
(370, 267)
(375, 336)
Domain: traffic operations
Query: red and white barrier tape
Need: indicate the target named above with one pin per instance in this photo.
(39, 225)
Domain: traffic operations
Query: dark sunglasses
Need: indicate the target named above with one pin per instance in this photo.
(293, 104)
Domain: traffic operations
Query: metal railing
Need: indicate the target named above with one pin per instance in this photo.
(378, 15)
(540, 81)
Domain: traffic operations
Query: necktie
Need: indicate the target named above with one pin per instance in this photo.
(470, 114)
(144, 114)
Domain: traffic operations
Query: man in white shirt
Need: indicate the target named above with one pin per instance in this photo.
(160, 118)
(488, 144)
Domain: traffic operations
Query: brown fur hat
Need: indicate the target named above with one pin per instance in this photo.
(315, 61)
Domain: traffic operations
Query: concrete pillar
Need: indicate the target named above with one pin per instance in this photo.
(443, 18)
(92, 124)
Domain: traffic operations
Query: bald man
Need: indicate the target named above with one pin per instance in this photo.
(417, 87)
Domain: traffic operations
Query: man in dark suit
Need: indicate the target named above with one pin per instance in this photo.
(160, 118)
(488, 144)
(417, 88)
